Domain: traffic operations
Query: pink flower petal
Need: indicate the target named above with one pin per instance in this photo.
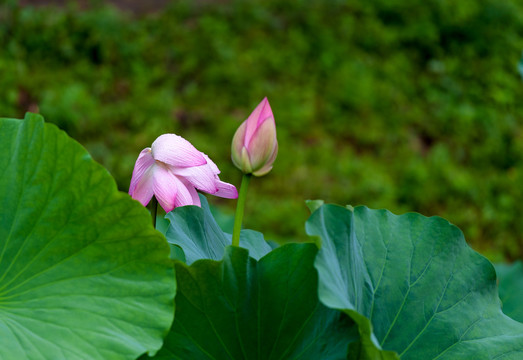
(141, 166)
(173, 170)
(201, 177)
(262, 145)
(226, 190)
(258, 116)
(176, 151)
(187, 194)
(211, 163)
(266, 112)
(143, 189)
(165, 187)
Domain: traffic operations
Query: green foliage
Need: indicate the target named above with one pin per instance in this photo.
(82, 272)
(426, 293)
(511, 289)
(411, 285)
(239, 308)
(194, 230)
(411, 105)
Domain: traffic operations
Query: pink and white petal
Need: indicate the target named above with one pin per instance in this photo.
(252, 122)
(201, 177)
(226, 190)
(143, 189)
(165, 187)
(187, 194)
(143, 163)
(261, 113)
(262, 144)
(176, 151)
(211, 163)
(266, 112)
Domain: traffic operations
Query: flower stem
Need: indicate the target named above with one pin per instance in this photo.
(240, 206)
(153, 207)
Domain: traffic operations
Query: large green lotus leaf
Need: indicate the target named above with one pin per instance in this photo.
(427, 294)
(194, 229)
(240, 308)
(83, 274)
(511, 289)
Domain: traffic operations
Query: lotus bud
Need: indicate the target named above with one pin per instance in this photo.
(254, 146)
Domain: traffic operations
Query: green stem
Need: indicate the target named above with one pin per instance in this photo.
(153, 207)
(240, 206)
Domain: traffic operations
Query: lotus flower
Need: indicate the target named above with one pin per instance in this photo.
(254, 146)
(172, 169)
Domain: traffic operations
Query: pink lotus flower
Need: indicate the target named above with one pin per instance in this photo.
(172, 169)
(254, 146)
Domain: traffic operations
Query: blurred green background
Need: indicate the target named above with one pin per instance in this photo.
(409, 105)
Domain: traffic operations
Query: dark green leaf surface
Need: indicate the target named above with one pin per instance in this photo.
(511, 289)
(239, 308)
(427, 294)
(83, 275)
(195, 230)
